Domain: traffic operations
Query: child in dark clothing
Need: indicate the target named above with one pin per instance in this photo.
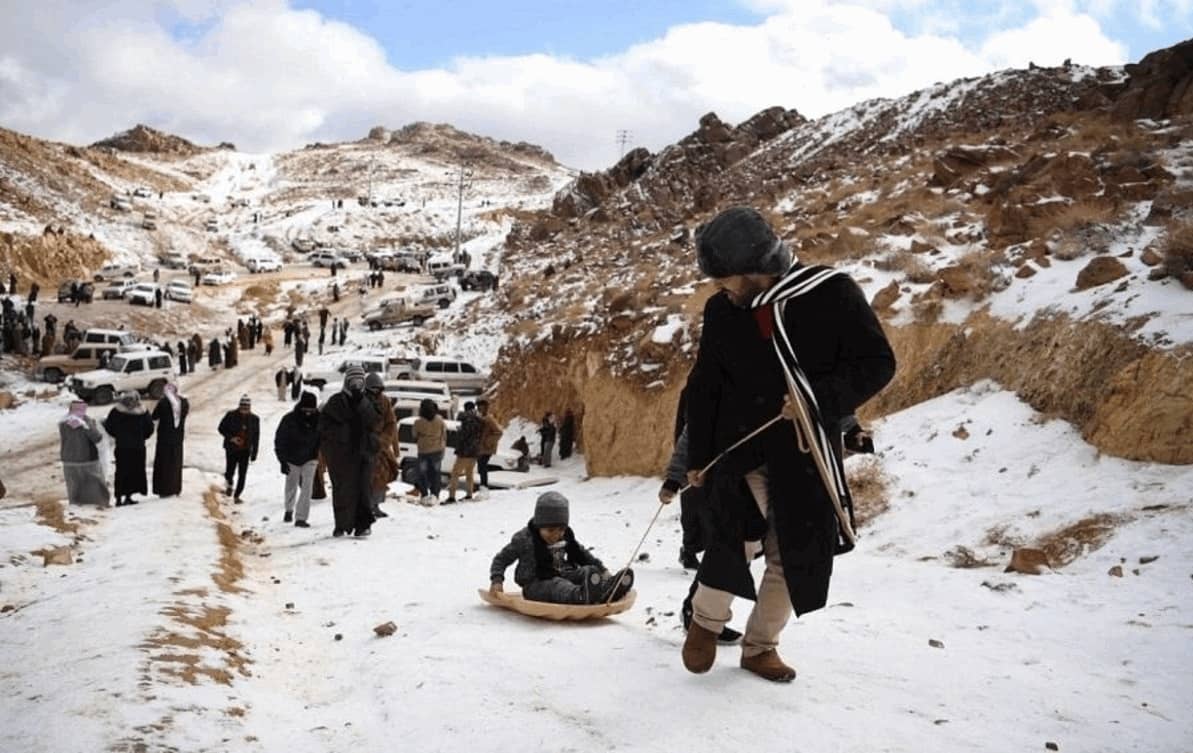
(552, 566)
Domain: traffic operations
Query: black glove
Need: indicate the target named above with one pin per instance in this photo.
(859, 441)
(285, 468)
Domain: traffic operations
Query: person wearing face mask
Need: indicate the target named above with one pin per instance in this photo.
(348, 425)
(170, 415)
(81, 467)
(241, 431)
(385, 466)
(296, 444)
(130, 426)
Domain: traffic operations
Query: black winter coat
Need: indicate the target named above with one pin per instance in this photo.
(534, 559)
(736, 385)
(128, 429)
(297, 439)
(468, 436)
(233, 424)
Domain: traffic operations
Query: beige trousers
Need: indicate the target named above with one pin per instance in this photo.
(710, 606)
(465, 467)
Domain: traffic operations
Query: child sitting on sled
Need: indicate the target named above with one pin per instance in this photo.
(552, 565)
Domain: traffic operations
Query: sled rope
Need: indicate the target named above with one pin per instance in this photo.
(657, 512)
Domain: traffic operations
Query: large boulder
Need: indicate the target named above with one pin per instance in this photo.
(1160, 85)
(1099, 271)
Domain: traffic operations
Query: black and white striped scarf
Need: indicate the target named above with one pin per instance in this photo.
(813, 437)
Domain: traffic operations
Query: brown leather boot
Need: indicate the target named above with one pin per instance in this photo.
(699, 649)
(768, 665)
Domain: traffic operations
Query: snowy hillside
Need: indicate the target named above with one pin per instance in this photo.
(264, 641)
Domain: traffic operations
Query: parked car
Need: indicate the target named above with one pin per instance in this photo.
(408, 449)
(397, 311)
(328, 259)
(442, 267)
(407, 394)
(206, 264)
(457, 374)
(263, 264)
(86, 357)
(212, 225)
(66, 290)
(351, 255)
(180, 291)
(117, 289)
(221, 276)
(143, 294)
(303, 245)
(174, 260)
(241, 202)
(146, 371)
(440, 295)
(142, 192)
(335, 377)
(149, 222)
(120, 202)
(119, 337)
(115, 270)
(478, 279)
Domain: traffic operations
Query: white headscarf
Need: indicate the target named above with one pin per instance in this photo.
(175, 402)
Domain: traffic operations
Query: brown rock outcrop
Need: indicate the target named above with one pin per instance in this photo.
(886, 297)
(1160, 85)
(1028, 561)
(1099, 271)
(142, 138)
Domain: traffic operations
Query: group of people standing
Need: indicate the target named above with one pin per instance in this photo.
(476, 442)
(130, 426)
(549, 431)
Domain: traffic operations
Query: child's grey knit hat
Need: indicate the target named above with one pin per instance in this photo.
(551, 509)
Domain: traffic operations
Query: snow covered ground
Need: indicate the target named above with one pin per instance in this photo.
(1076, 657)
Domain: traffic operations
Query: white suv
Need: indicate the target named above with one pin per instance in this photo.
(328, 259)
(406, 396)
(370, 364)
(263, 264)
(440, 295)
(146, 371)
(142, 294)
(458, 375)
(114, 270)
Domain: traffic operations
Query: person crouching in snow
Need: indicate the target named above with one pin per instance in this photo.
(552, 565)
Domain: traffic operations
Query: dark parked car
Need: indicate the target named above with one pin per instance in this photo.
(86, 291)
(478, 279)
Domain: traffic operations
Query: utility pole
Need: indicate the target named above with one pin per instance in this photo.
(464, 172)
(623, 138)
(372, 160)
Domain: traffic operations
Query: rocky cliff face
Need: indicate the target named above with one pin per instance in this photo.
(1025, 192)
(1161, 85)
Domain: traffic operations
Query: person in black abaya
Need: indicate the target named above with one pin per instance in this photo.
(129, 425)
(170, 415)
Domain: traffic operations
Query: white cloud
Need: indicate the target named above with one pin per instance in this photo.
(267, 76)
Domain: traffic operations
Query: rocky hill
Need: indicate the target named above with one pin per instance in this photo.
(143, 139)
(1030, 226)
(258, 200)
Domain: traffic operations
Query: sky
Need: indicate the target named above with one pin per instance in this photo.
(270, 75)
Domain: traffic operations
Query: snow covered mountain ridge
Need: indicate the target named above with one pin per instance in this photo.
(1029, 226)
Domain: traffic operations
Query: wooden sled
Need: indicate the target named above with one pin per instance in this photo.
(547, 611)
